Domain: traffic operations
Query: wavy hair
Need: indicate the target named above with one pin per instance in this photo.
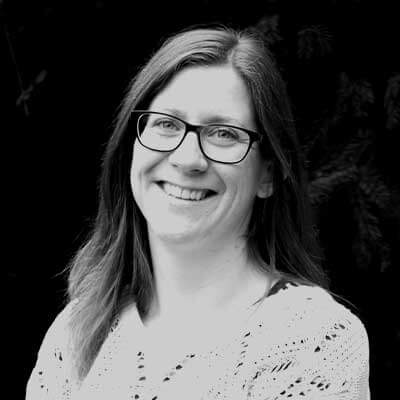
(113, 268)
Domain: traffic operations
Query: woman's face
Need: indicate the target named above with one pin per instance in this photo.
(199, 95)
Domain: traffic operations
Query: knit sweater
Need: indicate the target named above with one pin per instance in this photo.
(299, 343)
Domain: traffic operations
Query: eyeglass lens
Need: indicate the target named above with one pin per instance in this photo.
(219, 142)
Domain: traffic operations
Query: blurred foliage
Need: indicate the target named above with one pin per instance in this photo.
(392, 103)
(340, 141)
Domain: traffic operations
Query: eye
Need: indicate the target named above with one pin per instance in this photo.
(222, 133)
(166, 124)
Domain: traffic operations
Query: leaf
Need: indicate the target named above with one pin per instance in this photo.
(269, 28)
(371, 201)
(354, 97)
(40, 77)
(344, 157)
(369, 244)
(321, 188)
(27, 93)
(315, 40)
(392, 102)
(374, 189)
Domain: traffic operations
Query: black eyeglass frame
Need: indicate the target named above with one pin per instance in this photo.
(254, 136)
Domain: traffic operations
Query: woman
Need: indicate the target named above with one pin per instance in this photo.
(200, 279)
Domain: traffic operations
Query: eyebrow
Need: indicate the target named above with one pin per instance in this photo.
(213, 119)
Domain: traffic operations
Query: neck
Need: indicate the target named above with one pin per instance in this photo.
(202, 282)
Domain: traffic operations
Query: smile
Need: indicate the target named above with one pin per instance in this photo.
(185, 193)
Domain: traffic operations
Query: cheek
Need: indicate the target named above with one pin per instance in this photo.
(134, 181)
(245, 186)
(247, 178)
(241, 189)
(134, 170)
(138, 156)
(143, 163)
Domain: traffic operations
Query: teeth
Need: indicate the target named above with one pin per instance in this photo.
(182, 193)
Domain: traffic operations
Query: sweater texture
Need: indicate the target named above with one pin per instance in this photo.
(299, 343)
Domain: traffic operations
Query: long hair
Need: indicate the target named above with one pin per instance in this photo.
(113, 267)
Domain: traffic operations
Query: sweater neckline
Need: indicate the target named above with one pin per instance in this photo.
(234, 331)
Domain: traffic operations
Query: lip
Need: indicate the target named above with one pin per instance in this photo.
(177, 201)
(160, 182)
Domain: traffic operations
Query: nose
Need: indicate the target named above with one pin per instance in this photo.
(188, 156)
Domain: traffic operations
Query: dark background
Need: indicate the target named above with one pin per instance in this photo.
(65, 66)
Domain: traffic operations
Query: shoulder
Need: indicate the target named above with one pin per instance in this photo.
(324, 310)
(52, 373)
(59, 326)
(305, 331)
(299, 310)
(58, 334)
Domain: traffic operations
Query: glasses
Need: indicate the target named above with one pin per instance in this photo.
(225, 144)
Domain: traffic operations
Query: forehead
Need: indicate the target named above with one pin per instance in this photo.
(201, 92)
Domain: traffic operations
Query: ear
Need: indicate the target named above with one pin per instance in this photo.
(266, 185)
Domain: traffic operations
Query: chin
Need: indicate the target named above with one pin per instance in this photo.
(175, 233)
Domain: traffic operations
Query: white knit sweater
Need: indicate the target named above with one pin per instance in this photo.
(299, 344)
